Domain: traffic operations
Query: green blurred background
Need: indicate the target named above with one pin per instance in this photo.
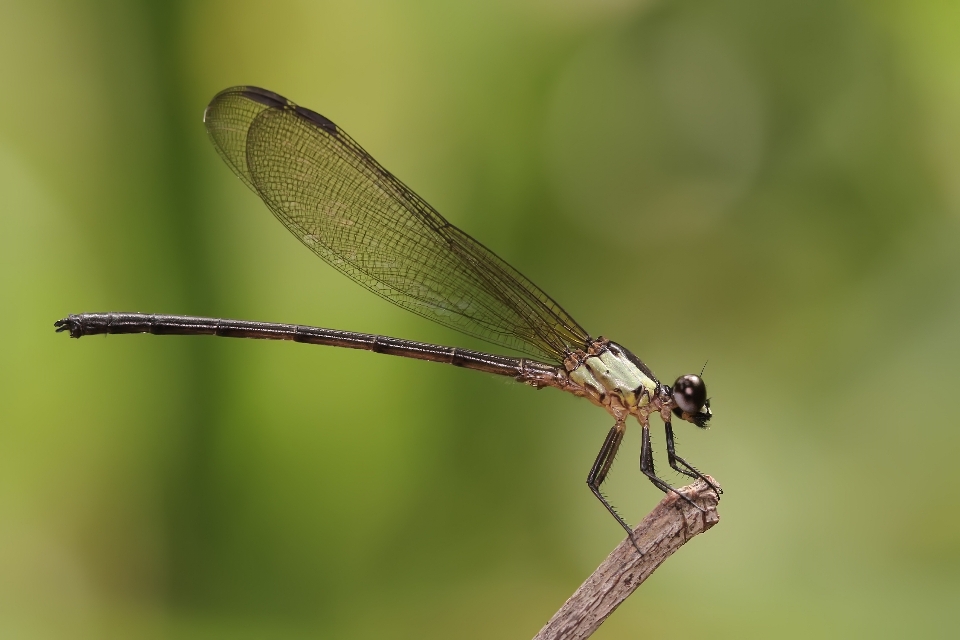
(770, 186)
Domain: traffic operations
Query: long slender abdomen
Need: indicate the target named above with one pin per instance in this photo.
(538, 374)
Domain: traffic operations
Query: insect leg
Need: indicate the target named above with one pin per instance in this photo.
(598, 473)
(688, 469)
(646, 466)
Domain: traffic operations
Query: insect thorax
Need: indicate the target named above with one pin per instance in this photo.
(610, 375)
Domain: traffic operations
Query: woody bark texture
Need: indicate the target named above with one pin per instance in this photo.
(665, 529)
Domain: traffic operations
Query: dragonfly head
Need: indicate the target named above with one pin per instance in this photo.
(690, 398)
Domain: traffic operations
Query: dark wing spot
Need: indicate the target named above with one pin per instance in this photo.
(317, 119)
(262, 96)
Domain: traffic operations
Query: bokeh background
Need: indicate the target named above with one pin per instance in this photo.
(768, 186)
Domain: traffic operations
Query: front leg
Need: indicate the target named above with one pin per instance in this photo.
(689, 469)
(646, 465)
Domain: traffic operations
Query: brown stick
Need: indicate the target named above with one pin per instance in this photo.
(672, 523)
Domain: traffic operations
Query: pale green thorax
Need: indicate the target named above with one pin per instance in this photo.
(612, 380)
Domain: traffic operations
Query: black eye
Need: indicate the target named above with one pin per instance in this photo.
(689, 393)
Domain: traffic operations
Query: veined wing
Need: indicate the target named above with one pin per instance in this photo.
(338, 201)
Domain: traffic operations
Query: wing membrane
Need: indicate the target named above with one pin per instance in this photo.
(345, 207)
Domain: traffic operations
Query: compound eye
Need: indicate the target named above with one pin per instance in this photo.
(689, 393)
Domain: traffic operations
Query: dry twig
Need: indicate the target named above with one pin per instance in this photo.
(672, 523)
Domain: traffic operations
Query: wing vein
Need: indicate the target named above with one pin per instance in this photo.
(359, 218)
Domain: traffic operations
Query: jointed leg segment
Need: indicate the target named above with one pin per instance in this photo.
(688, 469)
(601, 466)
(646, 466)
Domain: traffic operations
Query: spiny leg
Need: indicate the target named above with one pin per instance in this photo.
(689, 469)
(646, 466)
(598, 473)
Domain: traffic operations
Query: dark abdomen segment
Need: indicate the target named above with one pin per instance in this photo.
(524, 370)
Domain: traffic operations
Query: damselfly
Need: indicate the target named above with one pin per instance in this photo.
(346, 208)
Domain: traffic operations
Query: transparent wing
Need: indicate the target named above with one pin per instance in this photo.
(345, 207)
